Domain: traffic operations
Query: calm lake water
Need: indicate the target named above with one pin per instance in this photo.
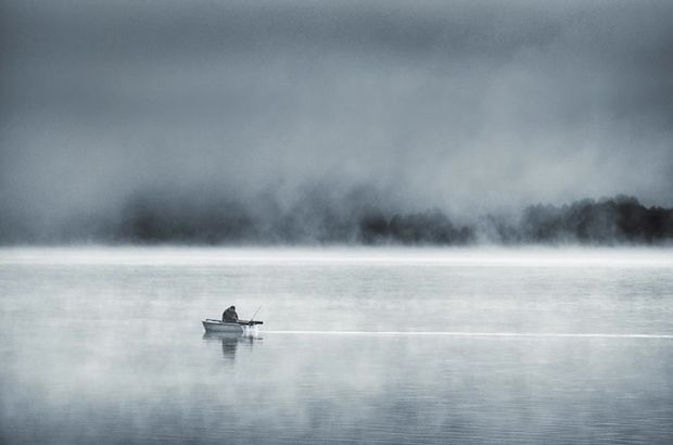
(426, 346)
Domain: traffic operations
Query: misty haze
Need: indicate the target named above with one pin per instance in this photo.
(454, 219)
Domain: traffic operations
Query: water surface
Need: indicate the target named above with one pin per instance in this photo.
(104, 345)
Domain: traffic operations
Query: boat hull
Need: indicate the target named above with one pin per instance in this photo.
(212, 325)
(218, 326)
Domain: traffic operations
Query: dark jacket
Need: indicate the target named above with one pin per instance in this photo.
(230, 315)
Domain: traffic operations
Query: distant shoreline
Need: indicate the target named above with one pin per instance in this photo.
(618, 221)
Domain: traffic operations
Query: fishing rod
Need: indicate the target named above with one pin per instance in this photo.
(253, 315)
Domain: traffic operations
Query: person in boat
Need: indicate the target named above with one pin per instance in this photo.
(230, 314)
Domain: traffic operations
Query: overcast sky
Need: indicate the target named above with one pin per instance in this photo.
(463, 105)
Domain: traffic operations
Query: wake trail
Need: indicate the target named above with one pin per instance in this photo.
(476, 334)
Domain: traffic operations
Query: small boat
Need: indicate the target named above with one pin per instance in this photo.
(211, 325)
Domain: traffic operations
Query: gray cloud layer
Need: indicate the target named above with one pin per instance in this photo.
(470, 106)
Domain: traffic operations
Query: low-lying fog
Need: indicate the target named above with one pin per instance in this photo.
(359, 345)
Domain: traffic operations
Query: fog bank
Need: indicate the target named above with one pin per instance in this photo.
(296, 121)
(351, 219)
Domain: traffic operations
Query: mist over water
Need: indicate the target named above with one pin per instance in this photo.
(105, 345)
(456, 217)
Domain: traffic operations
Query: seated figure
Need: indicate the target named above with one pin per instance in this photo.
(230, 315)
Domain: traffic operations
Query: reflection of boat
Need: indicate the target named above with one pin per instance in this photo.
(231, 340)
(211, 325)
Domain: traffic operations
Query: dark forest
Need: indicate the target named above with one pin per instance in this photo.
(152, 220)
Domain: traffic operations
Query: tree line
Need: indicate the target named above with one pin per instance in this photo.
(316, 220)
(616, 220)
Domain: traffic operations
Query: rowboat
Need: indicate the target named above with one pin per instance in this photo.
(211, 325)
